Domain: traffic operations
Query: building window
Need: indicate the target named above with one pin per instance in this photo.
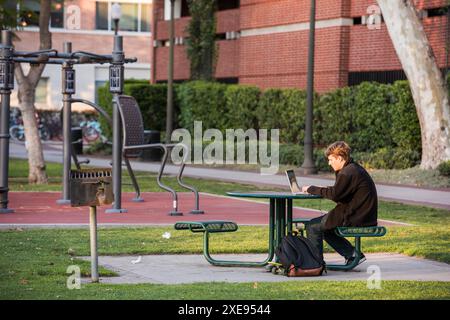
(185, 8)
(30, 10)
(221, 5)
(355, 78)
(129, 19)
(227, 4)
(101, 16)
(41, 91)
(146, 15)
(136, 17)
(57, 14)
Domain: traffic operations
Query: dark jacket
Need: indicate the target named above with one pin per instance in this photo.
(356, 197)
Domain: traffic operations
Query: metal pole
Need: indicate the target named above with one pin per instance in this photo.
(93, 239)
(67, 92)
(116, 74)
(308, 166)
(447, 43)
(6, 85)
(169, 111)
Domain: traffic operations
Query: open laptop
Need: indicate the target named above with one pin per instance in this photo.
(292, 180)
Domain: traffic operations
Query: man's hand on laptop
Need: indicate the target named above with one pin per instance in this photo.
(305, 189)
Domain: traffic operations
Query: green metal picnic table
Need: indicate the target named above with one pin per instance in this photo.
(280, 215)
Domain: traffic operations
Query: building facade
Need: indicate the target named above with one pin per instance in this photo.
(265, 42)
(87, 25)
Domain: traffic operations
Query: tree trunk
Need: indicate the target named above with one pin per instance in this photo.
(425, 79)
(37, 173)
(27, 88)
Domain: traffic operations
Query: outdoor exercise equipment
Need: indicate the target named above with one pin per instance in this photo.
(9, 56)
(67, 59)
(133, 144)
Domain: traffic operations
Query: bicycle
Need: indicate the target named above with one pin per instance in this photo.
(17, 132)
(91, 130)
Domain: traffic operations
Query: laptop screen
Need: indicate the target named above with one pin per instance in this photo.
(292, 181)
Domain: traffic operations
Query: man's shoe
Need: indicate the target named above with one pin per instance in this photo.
(351, 259)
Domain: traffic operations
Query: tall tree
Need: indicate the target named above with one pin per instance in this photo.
(8, 14)
(27, 84)
(425, 79)
(201, 44)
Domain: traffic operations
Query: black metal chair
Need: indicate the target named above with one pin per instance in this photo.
(134, 143)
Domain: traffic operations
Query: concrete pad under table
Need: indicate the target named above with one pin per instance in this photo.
(177, 269)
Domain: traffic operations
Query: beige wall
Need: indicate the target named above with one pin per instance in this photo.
(86, 38)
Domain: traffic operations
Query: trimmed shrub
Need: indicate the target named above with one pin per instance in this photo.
(378, 121)
(241, 104)
(202, 101)
(291, 154)
(333, 117)
(105, 102)
(388, 158)
(151, 100)
(371, 123)
(405, 158)
(444, 168)
(283, 109)
(405, 128)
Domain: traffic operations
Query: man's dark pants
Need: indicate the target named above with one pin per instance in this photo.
(316, 233)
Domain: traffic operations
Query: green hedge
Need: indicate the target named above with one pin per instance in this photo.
(333, 117)
(202, 101)
(378, 121)
(242, 103)
(283, 109)
(370, 117)
(405, 128)
(444, 168)
(152, 102)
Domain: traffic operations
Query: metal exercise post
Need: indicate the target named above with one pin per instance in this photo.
(196, 210)
(68, 88)
(6, 85)
(116, 88)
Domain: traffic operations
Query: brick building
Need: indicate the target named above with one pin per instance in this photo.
(87, 24)
(265, 42)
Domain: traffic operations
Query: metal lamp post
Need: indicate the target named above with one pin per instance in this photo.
(169, 109)
(68, 89)
(6, 85)
(116, 13)
(116, 76)
(308, 166)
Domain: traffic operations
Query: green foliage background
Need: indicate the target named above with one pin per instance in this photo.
(379, 121)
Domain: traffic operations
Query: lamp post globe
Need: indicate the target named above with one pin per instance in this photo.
(116, 13)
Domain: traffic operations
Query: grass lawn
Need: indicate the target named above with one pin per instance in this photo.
(33, 262)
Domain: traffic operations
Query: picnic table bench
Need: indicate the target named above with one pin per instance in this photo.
(215, 226)
(352, 232)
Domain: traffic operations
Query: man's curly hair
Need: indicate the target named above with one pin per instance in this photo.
(339, 148)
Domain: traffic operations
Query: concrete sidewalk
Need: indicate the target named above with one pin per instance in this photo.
(194, 268)
(404, 194)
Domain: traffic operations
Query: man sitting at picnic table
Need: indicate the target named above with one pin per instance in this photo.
(357, 202)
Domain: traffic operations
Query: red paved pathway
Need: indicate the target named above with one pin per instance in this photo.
(41, 208)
